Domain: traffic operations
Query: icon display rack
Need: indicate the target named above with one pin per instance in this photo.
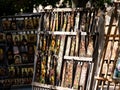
(20, 34)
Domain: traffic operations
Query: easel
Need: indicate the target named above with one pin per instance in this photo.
(112, 36)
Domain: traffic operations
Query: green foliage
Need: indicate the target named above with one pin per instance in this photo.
(10, 7)
(99, 3)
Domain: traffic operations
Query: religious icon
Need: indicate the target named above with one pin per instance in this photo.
(36, 22)
(32, 38)
(31, 49)
(6, 24)
(15, 49)
(9, 39)
(10, 57)
(24, 39)
(24, 72)
(2, 37)
(2, 71)
(28, 23)
(13, 25)
(20, 23)
(16, 39)
(24, 42)
(17, 59)
(1, 54)
(24, 58)
(11, 72)
(30, 72)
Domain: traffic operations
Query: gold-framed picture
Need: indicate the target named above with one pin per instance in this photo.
(36, 22)
(17, 59)
(13, 25)
(32, 38)
(24, 58)
(20, 23)
(24, 38)
(16, 39)
(5, 24)
(2, 37)
(28, 23)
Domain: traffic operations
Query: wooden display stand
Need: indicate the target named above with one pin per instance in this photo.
(67, 47)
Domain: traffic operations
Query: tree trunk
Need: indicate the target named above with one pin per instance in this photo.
(74, 3)
(79, 3)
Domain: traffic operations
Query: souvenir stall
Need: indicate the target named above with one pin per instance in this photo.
(59, 49)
